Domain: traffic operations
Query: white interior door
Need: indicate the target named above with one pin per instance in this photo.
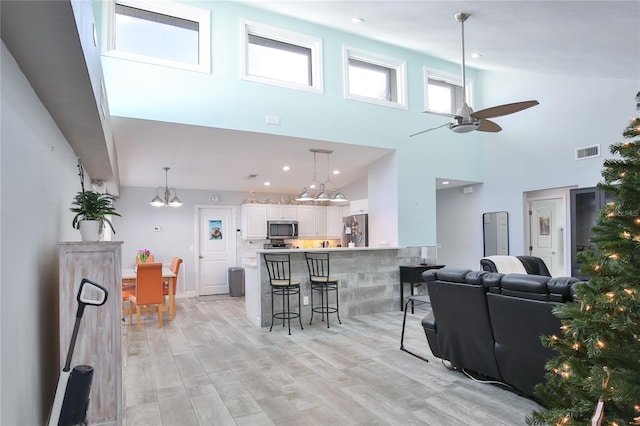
(216, 249)
(546, 235)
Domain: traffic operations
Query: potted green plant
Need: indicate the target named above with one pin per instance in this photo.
(92, 211)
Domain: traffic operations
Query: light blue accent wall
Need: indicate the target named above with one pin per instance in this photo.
(222, 99)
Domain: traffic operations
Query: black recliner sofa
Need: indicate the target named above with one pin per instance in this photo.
(490, 324)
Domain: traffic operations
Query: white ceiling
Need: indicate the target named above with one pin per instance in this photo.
(574, 38)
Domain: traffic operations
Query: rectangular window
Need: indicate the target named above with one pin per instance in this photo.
(158, 32)
(444, 93)
(275, 56)
(373, 78)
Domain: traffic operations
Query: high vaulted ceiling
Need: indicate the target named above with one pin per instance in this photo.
(574, 38)
(595, 39)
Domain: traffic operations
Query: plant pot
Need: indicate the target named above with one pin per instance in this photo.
(89, 230)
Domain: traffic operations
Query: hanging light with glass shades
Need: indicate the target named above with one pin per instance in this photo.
(163, 195)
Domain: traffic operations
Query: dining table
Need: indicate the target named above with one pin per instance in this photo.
(129, 278)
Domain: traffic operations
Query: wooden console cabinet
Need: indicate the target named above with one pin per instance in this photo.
(99, 342)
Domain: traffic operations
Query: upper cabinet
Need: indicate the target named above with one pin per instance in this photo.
(254, 221)
(586, 203)
(359, 206)
(282, 212)
(334, 222)
(312, 221)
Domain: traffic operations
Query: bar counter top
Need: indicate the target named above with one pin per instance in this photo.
(329, 249)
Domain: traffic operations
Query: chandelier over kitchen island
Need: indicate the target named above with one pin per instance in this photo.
(308, 192)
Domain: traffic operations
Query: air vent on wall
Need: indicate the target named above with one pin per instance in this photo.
(587, 152)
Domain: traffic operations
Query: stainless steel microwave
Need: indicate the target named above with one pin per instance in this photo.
(282, 229)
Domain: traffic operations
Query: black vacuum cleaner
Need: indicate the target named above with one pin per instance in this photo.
(72, 394)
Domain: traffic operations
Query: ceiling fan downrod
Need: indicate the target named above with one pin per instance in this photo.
(461, 17)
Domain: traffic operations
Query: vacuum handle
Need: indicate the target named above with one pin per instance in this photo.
(90, 294)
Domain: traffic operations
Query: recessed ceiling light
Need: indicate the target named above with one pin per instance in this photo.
(285, 168)
(267, 183)
(336, 172)
(445, 182)
(356, 20)
(476, 55)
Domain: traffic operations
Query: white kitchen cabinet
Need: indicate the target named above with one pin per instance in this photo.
(359, 206)
(306, 221)
(346, 210)
(334, 222)
(312, 221)
(321, 221)
(282, 212)
(254, 221)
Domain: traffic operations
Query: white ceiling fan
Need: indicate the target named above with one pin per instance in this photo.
(465, 120)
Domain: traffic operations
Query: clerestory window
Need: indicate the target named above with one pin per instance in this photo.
(373, 78)
(158, 32)
(283, 58)
(444, 93)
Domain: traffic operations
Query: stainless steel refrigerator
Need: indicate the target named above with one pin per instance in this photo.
(355, 230)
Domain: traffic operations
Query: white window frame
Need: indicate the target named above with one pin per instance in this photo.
(278, 34)
(447, 78)
(178, 10)
(398, 65)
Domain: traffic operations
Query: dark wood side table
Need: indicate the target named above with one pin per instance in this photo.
(412, 274)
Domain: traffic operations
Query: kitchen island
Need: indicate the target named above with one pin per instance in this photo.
(368, 280)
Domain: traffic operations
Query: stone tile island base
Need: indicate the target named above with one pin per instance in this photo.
(368, 281)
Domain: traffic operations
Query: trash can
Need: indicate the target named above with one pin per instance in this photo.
(236, 281)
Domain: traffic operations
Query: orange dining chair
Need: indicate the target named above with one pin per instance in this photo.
(148, 292)
(175, 268)
(150, 259)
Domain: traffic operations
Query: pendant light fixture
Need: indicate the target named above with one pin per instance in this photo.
(163, 195)
(324, 188)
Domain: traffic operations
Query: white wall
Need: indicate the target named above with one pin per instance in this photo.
(459, 227)
(38, 180)
(535, 151)
(383, 202)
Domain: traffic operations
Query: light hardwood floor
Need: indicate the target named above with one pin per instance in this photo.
(211, 366)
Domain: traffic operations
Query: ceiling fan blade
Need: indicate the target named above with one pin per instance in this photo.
(506, 109)
(488, 126)
(428, 130)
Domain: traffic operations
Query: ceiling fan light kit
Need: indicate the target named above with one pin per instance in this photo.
(465, 120)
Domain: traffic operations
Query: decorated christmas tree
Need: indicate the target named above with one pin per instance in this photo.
(595, 377)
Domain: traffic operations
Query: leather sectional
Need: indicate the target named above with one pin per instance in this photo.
(490, 324)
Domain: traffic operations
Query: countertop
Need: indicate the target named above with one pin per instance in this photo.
(251, 262)
(321, 249)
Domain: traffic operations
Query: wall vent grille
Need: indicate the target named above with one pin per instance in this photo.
(587, 152)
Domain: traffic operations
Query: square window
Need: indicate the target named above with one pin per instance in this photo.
(279, 57)
(158, 32)
(444, 93)
(373, 78)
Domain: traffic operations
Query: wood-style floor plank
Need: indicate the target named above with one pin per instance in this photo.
(211, 366)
